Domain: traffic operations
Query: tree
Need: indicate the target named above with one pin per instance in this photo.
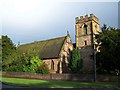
(26, 62)
(16, 61)
(8, 48)
(76, 63)
(31, 64)
(108, 59)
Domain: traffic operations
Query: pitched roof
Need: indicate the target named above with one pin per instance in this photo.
(46, 48)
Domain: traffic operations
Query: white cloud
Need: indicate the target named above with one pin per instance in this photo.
(27, 12)
(31, 12)
(89, 0)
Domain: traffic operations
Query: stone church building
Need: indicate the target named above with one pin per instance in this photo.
(56, 52)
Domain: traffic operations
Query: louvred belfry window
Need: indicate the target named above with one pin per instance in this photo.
(85, 29)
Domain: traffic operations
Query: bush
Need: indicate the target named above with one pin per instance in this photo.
(32, 64)
(43, 69)
(27, 63)
(77, 62)
(15, 68)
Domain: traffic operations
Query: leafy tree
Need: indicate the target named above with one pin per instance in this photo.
(32, 64)
(16, 61)
(25, 63)
(76, 63)
(108, 59)
(28, 62)
(8, 48)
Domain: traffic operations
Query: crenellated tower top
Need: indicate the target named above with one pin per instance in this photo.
(86, 27)
(87, 18)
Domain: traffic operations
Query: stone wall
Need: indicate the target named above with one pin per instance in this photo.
(25, 75)
(65, 77)
(87, 57)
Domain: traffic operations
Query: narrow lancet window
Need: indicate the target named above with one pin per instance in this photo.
(52, 65)
(85, 29)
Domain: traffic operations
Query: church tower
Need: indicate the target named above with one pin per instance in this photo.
(86, 27)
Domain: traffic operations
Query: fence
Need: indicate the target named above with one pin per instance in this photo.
(68, 77)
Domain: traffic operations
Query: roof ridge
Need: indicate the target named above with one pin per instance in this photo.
(51, 39)
(44, 40)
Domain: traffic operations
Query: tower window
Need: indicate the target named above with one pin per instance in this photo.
(85, 42)
(85, 29)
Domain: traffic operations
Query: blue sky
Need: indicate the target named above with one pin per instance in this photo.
(27, 21)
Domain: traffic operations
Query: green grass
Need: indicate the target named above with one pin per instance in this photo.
(54, 84)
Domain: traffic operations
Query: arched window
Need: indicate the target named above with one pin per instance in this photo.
(85, 42)
(85, 29)
(52, 65)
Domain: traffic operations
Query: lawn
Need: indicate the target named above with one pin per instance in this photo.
(54, 84)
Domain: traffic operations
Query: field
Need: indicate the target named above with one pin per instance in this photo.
(54, 84)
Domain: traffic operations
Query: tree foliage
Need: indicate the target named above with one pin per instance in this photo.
(28, 62)
(16, 61)
(108, 59)
(76, 63)
(43, 69)
(8, 48)
(31, 64)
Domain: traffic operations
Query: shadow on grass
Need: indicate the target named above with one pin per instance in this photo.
(63, 84)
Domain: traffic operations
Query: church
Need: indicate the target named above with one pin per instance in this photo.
(56, 52)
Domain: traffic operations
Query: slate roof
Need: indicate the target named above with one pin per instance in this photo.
(47, 48)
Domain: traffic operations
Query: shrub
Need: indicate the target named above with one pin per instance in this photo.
(15, 68)
(32, 64)
(77, 62)
(43, 69)
(27, 63)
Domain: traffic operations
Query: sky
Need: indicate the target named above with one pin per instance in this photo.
(26, 21)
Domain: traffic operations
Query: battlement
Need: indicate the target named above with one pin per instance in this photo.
(86, 18)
